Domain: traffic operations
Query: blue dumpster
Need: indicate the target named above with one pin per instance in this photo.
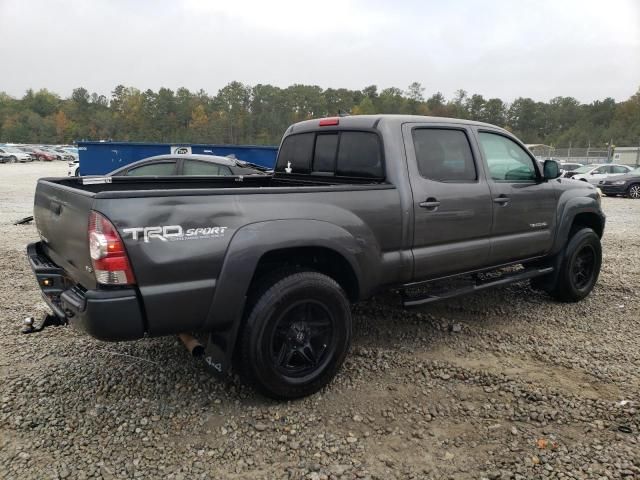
(99, 158)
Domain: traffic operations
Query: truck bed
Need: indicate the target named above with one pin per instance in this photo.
(133, 185)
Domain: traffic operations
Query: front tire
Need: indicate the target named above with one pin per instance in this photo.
(296, 335)
(634, 191)
(12, 159)
(580, 267)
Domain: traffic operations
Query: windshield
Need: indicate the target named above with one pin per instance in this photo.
(585, 169)
(12, 150)
(636, 170)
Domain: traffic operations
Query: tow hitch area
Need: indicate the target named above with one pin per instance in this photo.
(29, 325)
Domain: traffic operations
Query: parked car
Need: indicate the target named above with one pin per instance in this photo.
(14, 154)
(68, 154)
(28, 150)
(627, 184)
(38, 153)
(594, 173)
(44, 155)
(267, 266)
(73, 169)
(50, 150)
(190, 165)
(570, 167)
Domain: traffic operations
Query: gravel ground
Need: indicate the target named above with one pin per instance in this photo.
(502, 384)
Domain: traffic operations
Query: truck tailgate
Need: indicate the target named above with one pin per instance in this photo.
(62, 214)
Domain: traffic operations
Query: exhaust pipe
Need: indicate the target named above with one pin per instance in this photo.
(193, 345)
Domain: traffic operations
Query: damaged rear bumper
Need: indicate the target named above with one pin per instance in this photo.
(112, 315)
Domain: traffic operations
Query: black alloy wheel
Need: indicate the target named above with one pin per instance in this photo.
(296, 333)
(303, 339)
(579, 268)
(583, 266)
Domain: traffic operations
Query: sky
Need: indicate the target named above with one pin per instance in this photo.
(540, 49)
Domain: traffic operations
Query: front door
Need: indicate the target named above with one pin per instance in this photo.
(524, 205)
(451, 200)
(599, 173)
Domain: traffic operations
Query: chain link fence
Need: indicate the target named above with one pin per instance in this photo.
(582, 155)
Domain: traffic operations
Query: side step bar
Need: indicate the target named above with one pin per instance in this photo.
(505, 279)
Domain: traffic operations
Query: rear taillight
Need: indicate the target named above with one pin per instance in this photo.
(110, 262)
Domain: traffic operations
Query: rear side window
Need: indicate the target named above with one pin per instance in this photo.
(161, 169)
(444, 155)
(195, 167)
(296, 152)
(359, 155)
(620, 169)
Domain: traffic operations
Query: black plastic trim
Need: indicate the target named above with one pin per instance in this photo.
(111, 315)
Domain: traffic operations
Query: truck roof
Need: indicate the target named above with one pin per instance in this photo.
(372, 121)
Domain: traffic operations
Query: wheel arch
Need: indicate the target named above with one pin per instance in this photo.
(258, 248)
(631, 185)
(318, 258)
(577, 209)
(590, 220)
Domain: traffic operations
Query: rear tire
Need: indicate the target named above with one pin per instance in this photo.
(296, 334)
(634, 191)
(579, 268)
(12, 159)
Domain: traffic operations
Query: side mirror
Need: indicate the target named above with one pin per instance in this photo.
(551, 169)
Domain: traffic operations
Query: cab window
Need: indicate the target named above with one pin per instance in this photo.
(507, 161)
(343, 153)
(444, 155)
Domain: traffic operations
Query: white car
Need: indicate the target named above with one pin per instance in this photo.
(13, 154)
(74, 168)
(594, 173)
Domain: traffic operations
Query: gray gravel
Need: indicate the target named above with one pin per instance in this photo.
(503, 384)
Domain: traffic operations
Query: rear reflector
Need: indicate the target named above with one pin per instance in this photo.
(110, 262)
(326, 122)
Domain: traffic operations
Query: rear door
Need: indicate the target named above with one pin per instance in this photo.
(451, 200)
(524, 206)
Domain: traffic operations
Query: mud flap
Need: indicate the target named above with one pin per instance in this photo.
(218, 353)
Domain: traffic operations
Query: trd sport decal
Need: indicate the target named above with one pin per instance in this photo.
(172, 233)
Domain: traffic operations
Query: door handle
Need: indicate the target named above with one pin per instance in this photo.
(502, 200)
(430, 204)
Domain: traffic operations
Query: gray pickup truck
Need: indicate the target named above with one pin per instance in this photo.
(266, 268)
